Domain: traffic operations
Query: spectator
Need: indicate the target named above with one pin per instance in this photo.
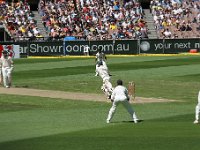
(175, 13)
(167, 33)
(96, 18)
(63, 18)
(188, 27)
(18, 19)
(86, 50)
(198, 17)
(182, 27)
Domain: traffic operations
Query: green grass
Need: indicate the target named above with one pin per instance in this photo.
(154, 76)
(36, 123)
(42, 123)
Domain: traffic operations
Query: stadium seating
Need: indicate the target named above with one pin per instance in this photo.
(94, 20)
(181, 18)
(18, 20)
(99, 20)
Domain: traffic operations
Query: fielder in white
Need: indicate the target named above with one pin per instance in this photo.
(107, 87)
(120, 95)
(6, 68)
(0, 77)
(197, 110)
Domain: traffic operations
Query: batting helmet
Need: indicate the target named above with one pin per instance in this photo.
(119, 82)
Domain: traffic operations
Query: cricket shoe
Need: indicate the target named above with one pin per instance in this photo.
(107, 121)
(109, 97)
(136, 120)
(196, 122)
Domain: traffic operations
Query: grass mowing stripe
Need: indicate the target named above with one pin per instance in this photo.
(183, 78)
(46, 60)
(52, 65)
(155, 64)
(52, 72)
(160, 72)
(65, 142)
(68, 59)
(142, 136)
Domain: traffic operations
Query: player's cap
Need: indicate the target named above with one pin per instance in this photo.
(99, 49)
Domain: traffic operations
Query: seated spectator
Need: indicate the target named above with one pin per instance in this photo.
(188, 27)
(167, 33)
(96, 17)
(144, 33)
(88, 18)
(175, 36)
(198, 17)
(18, 20)
(113, 26)
(175, 13)
(182, 27)
(198, 28)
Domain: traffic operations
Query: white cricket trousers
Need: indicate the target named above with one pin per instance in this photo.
(126, 105)
(6, 72)
(107, 89)
(104, 65)
(197, 109)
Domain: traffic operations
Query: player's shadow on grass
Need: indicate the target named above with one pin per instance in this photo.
(21, 86)
(139, 121)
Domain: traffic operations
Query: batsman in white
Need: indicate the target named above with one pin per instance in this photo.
(197, 110)
(120, 95)
(100, 58)
(6, 67)
(107, 87)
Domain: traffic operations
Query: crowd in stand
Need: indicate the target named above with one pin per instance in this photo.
(94, 19)
(176, 18)
(102, 19)
(19, 20)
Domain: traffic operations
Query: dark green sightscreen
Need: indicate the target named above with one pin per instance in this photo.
(115, 47)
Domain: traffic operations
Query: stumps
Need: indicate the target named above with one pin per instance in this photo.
(131, 90)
